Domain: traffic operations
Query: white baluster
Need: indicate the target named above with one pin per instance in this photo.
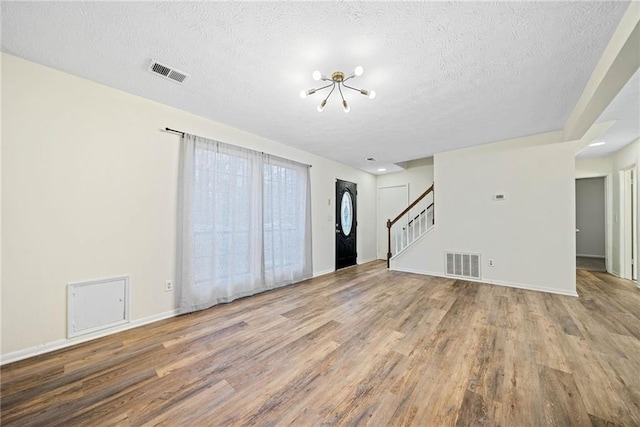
(395, 239)
(406, 240)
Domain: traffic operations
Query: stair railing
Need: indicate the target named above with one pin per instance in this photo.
(414, 228)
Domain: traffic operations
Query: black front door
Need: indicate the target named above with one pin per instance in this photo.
(346, 224)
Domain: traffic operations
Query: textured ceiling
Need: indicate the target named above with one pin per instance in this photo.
(625, 111)
(447, 75)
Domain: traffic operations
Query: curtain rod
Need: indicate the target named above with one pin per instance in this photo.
(174, 131)
(179, 132)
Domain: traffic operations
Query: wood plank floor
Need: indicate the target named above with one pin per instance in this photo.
(363, 346)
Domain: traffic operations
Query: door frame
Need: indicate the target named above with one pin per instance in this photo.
(629, 223)
(608, 220)
(354, 225)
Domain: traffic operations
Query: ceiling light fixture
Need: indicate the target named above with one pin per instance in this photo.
(337, 79)
(382, 170)
(596, 144)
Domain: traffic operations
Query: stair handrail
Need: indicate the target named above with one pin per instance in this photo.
(403, 213)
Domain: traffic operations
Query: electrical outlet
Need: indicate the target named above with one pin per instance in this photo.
(168, 287)
(491, 264)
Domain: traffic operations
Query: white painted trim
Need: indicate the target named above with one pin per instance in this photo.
(56, 345)
(629, 207)
(490, 282)
(323, 272)
(608, 219)
(364, 261)
(591, 256)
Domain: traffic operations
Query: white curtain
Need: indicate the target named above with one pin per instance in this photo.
(287, 221)
(244, 223)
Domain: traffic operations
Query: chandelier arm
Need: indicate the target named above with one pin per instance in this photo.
(349, 77)
(324, 87)
(331, 91)
(340, 89)
(352, 88)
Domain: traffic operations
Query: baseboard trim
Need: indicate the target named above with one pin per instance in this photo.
(591, 256)
(332, 270)
(57, 345)
(323, 272)
(491, 282)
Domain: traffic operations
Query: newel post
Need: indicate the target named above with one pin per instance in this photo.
(388, 242)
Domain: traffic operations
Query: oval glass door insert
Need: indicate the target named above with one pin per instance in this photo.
(346, 213)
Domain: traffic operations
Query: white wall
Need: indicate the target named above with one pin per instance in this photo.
(89, 191)
(530, 235)
(590, 168)
(418, 175)
(590, 217)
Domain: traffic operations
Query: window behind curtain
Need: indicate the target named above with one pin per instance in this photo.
(245, 223)
(286, 226)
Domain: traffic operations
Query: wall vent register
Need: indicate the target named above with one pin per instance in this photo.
(462, 265)
(96, 305)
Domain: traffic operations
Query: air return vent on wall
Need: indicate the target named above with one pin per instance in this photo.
(97, 305)
(167, 72)
(462, 265)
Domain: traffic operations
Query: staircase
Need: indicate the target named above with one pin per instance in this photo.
(411, 224)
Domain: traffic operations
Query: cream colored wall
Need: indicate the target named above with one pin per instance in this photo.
(529, 236)
(418, 175)
(591, 168)
(89, 191)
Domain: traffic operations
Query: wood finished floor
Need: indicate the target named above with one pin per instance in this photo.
(363, 346)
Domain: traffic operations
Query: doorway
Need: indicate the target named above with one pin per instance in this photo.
(391, 201)
(591, 224)
(346, 224)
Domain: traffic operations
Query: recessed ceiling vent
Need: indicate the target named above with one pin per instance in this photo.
(167, 72)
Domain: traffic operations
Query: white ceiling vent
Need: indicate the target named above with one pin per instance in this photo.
(167, 72)
(462, 265)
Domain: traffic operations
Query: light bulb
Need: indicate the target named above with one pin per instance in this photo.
(372, 94)
(317, 75)
(358, 70)
(345, 106)
(322, 105)
(305, 93)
